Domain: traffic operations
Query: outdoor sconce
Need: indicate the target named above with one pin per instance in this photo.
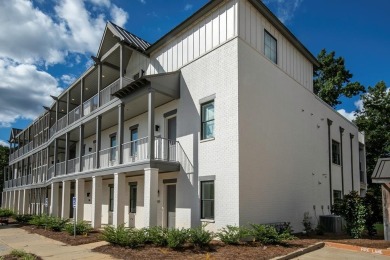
(88, 194)
(158, 193)
(157, 128)
(90, 149)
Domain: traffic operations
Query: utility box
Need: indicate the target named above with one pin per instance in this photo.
(332, 223)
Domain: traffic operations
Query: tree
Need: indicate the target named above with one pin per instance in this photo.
(4, 153)
(332, 80)
(374, 120)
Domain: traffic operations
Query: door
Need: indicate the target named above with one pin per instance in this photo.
(171, 206)
(171, 153)
(71, 209)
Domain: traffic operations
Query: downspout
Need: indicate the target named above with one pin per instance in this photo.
(330, 163)
(342, 161)
(351, 137)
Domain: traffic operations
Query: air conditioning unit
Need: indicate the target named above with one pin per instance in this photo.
(332, 223)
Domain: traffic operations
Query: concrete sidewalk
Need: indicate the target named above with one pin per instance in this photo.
(16, 238)
(329, 253)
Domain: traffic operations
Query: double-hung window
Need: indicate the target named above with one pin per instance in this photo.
(113, 147)
(336, 152)
(207, 199)
(134, 142)
(207, 118)
(133, 197)
(270, 47)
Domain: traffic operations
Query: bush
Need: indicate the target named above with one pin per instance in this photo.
(267, 234)
(177, 237)
(82, 228)
(6, 213)
(306, 222)
(157, 235)
(320, 230)
(353, 210)
(21, 254)
(124, 236)
(56, 224)
(200, 237)
(23, 218)
(232, 235)
(373, 213)
(38, 221)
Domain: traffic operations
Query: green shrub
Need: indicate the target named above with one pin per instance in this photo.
(6, 213)
(200, 237)
(23, 218)
(353, 210)
(232, 235)
(320, 230)
(177, 237)
(373, 212)
(21, 254)
(267, 234)
(124, 236)
(306, 222)
(56, 224)
(157, 235)
(82, 228)
(38, 221)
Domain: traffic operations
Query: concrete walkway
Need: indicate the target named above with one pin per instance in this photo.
(16, 238)
(330, 253)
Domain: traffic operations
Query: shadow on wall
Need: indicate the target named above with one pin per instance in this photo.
(188, 126)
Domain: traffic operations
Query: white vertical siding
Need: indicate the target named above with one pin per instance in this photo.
(214, 29)
(252, 25)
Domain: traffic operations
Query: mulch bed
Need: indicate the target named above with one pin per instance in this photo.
(11, 257)
(64, 237)
(217, 250)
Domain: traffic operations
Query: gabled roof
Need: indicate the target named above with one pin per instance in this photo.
(131, 39)
(13, 134)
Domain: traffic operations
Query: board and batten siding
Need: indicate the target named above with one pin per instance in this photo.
(251, 29)
(209, 32)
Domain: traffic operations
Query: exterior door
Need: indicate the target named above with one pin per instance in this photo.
(171, 139)
(171, 206)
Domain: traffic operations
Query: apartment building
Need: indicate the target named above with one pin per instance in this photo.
(215, 122)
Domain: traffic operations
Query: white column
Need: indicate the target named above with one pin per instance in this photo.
(96, 201)
(10, 199)
(80, 199)
(55, 187)
(26, 201)
(65, 199)
(150, 196)
(119, 197)
(4, 199)
(20, 202)
(15, 201)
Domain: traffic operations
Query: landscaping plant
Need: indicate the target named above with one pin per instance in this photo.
(6, 213)
(82, 228)
(306, 222)
(373, 213)
(176, 238)
(267, 234)
(56, 224)
(24, 219)
(123, 236)
(21, 254)
(38, 221)
(157, 235)
(200, 237)
(232, 235)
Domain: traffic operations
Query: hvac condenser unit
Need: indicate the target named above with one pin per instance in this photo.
(332, 223)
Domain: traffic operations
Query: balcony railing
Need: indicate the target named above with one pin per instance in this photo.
(61, 124)
(108, 157)
(74, 115)
(30, 146)
(50, 172)
(88, 161)
(60, 168)
(136, 150)
(106, 93)
(90, 105)
(53, 130)
(73, 165)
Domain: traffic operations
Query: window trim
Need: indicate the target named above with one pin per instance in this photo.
(338, 160)
(202, 199)
(276, 46)
(202, 137)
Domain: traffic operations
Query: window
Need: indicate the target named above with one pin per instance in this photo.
(207, 199)
(336, 152)
(113, 147)
(111, 202)
(270, 47)
(134, 142)
(336, 195)
(207, 117)
(133, 197)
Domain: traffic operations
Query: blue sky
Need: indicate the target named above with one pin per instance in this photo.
(45, 44)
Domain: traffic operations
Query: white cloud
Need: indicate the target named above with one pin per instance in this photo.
(142, 1)
(24, 90)
(68, 79)
(105, 3)
(285, 9)
(4, 143)
(359, 104)
(348, 115)
(119, 15)
(188, 7)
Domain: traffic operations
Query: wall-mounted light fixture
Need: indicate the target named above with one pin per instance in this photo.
(157, 128)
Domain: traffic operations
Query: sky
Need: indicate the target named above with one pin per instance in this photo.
(46, 44)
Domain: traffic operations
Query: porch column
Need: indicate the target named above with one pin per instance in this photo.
(98, 141)
(65, 210)
(386, 210)
(10, 200)
(67, 107)
(15, 201)
(150, 196)
(96, 201)
(81, 147)
(67, 137)
(99, 85)
(151, 124)
(119, 199)
(351, 151)
(20, 201)
(4, 199)
(80, 199)
(55, 156)
(121, 65)
(26, 201)
(55, 187)
(81, 97)
(120, 132)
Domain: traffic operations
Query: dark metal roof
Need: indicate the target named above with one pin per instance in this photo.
(131, 88)
(131, 39)
(14, 133)
(382, 170)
